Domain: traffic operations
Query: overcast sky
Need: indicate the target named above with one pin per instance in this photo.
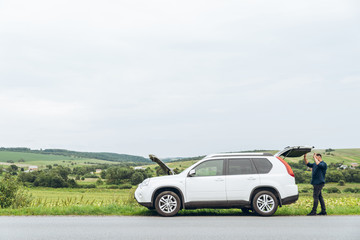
(179, 78)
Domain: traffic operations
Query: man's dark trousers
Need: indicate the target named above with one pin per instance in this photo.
(318, 196)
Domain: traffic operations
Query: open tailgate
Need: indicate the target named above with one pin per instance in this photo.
(295, 151)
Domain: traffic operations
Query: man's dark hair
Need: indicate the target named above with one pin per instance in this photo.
(319, 155)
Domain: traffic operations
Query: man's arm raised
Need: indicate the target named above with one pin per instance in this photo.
(316, 159)
(305, 159)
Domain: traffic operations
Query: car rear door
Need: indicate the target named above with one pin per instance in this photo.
(241, 179)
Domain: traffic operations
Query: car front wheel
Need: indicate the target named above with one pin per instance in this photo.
(167, 204)
(265, 203)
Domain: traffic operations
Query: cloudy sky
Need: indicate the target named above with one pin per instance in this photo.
(179, 78)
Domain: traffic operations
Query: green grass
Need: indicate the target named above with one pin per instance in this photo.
(67, 201)
(53, 194)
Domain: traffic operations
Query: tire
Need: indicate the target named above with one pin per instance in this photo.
(265, 203)
(167, 204)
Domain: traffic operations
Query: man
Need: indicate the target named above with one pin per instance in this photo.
(318, 181)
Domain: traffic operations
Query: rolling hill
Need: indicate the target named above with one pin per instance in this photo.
(26, 156)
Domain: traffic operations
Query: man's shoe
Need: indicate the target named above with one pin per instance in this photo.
(311, 214)
(322, 213)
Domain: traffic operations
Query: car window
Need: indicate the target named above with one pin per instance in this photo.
(241, 166)
(263, 165)
(210, 168)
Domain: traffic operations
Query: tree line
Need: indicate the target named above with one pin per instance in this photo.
(63, 177)
(114, 157)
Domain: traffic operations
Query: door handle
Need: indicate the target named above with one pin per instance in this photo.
(219, 180)
(251, 178)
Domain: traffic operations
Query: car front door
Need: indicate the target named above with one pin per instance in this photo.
(241, 179)
(207, 183)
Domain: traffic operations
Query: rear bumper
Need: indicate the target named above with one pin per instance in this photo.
(290, 200)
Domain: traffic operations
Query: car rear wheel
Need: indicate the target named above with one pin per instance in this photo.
(167, 204)
(265, 203)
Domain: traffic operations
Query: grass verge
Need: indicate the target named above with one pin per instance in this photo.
(346, 205)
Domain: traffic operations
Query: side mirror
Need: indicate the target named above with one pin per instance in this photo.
(192, 173)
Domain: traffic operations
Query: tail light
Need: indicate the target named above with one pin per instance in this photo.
(288, 168)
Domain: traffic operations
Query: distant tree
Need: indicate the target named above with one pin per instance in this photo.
(12, 169)
(137, 178)
(159, 171)
(300, 176)
(99, 182)
(28, 177)
(356, 178)
(332, 190)
(83, 170)
(55, 177)
(341, 183)
(117, 175)
(149, 172)
(329, 150)
(103, 174)
(11, 193)
(334, 176)
(62, 171)
(72, 183)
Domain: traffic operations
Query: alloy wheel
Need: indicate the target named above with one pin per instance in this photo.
(265, 203)
(168, 203)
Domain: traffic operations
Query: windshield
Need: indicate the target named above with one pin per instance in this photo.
(190, 167)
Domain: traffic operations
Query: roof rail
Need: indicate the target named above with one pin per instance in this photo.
(239, 155)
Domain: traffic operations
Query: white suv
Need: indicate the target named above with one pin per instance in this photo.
(251, 181)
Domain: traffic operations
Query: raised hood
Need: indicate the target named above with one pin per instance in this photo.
(296, 151)
(163, 166)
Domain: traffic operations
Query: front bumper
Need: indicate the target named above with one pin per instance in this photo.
(143, 197)
(146, 204)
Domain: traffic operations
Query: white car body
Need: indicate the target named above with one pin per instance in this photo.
(224, 190)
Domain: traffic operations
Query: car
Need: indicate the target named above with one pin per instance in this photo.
(259, 182)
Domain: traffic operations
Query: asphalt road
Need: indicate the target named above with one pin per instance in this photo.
(214, 227)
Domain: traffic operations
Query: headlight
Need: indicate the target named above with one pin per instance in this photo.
(145, 183)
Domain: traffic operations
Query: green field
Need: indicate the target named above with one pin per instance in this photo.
(41, 160)
(345, 156)
(65, 201)
(103, 201)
